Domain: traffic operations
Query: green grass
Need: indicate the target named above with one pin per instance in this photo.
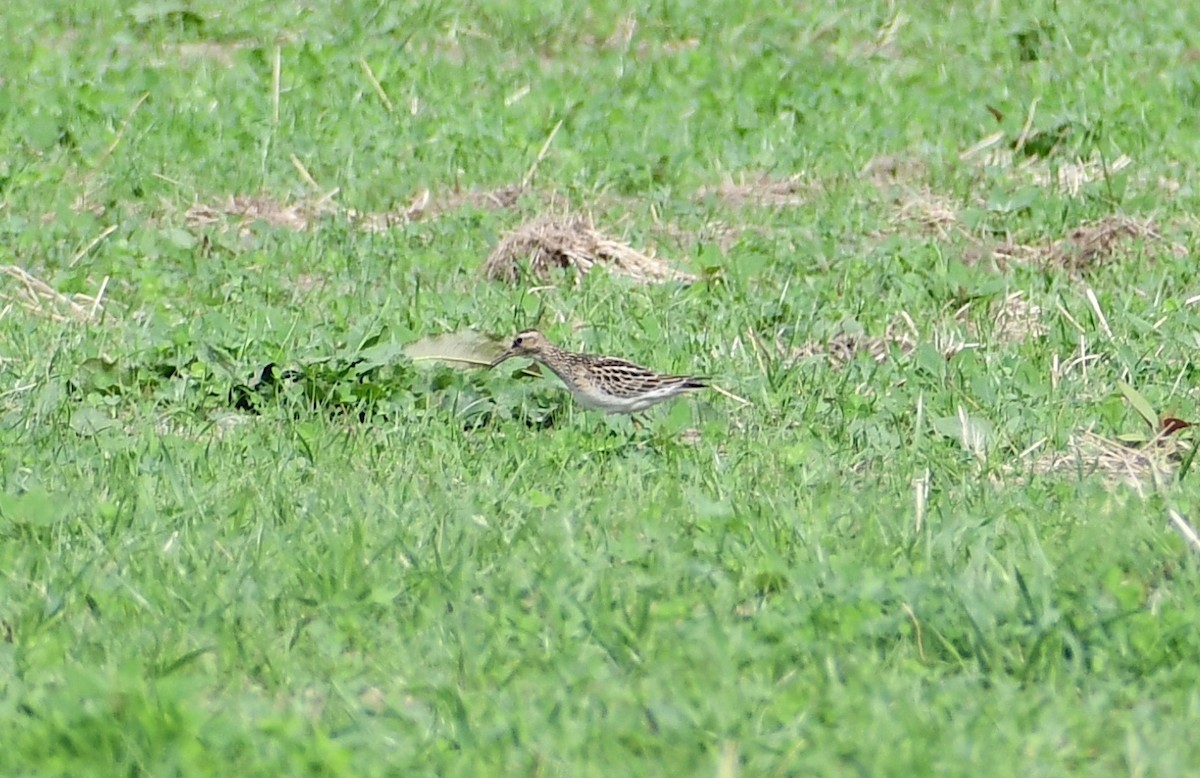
(355, 564)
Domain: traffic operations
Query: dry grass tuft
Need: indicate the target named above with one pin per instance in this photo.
(1073, 176)
(724, 236)
(1069, 177)
(38, 297)
(842, 348)
(888, 170)
(572, 242)
(901, 337)
(1086, 247)
(1014, 320)
(933, 213)
(222, 53)
(246, 210)
(624, 38)
(1137, 466)
(499, 199)
(1100, 242)
(424, 206)
(762, 191)
(1017, 320)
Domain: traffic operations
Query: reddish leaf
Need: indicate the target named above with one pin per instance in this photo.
(1171, 425)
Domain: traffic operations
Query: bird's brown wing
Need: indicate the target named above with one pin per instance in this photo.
(622, 378)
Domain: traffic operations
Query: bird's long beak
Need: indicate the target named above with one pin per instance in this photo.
(500, 358)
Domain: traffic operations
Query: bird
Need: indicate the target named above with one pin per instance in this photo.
(601, 383)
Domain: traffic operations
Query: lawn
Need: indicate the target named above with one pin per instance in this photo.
(262, 513)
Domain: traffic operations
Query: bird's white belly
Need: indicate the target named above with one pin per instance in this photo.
(611, 404)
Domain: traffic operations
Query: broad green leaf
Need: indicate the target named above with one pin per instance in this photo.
(1140, 404)
(88, 421)
(463, 349)
(35, 507)
(380, 355)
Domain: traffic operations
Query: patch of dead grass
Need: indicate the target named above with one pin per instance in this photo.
(241, 211)
(189, 52)
(39, 298)
(1100, 242)
(724, 236)
(842, 348)
(425, 206)
(1138, 466)
(1069, 177)
(901, 336)
(933, 213)
(624, 38)
(889, 170)
(550, 243)
(760, 191)
(244, 210)
(1014, 320)
(1090, 245)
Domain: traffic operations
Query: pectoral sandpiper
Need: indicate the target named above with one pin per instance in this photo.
(601, 383)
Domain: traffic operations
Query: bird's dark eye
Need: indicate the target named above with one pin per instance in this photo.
(517, 342)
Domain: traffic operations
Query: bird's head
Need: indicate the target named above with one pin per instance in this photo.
(529, 343)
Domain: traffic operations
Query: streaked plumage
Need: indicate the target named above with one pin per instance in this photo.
(601, 383)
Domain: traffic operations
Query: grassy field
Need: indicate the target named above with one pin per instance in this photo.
(938, 257)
